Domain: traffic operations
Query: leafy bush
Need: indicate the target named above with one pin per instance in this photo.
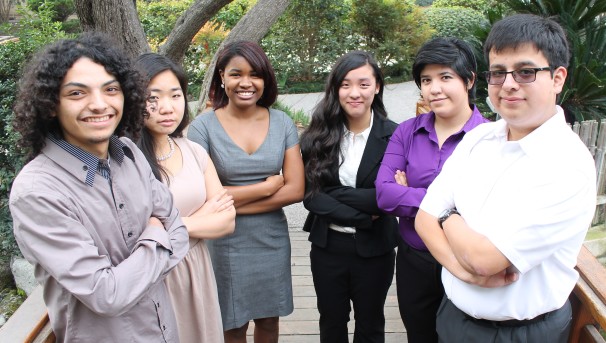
(61, 8)
(482, 6)
(229, 15)
(392, 29)
(460, 22)
(305, 41)
(159, 17)
(33, 32)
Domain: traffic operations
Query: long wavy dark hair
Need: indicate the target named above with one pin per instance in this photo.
(150, 65)
(255, 56)
(38, 94)
(321, 141)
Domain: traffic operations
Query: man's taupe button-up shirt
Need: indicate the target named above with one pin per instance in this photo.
(102, 266)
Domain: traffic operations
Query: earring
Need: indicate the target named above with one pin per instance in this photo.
(377, 92)
(222, 85)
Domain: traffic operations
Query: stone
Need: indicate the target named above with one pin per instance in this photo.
(23, 272)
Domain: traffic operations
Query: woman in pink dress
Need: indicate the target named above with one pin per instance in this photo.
(206, 208)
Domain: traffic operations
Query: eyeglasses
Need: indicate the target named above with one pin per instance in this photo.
(524, 75)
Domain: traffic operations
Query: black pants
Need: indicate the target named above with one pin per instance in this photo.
(341, 276)
(420, 292)
(454, 326)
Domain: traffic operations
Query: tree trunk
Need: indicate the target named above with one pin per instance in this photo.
(118, 19)
(253, 26)
(188, 24)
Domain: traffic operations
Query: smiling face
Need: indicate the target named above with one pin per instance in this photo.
(165, 104)
(90, 106)
(243, 85)
(357, 92)
(445, 91)
(525, 106)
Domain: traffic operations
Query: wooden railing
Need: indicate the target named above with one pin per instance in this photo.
(588, 300)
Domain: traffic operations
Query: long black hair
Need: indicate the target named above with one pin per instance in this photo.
(150, 65)
(321, 142)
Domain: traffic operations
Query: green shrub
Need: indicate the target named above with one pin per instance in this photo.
(159, 17)
(479, 5)
(300, 118)
(457, 22)
(33, 32)
(393, 30)
(308, 38)
(61, 8)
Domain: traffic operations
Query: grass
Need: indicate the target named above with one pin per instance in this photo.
(298, 116)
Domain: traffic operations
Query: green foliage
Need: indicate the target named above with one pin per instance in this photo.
(584, 94)
(61, 8)
(298, 116)
(33, 32)
(482, 6)
(308, 38)
(229, 15)
(159, 17)
(392, 29)
(460, 22)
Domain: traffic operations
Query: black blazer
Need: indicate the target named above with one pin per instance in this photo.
(354, 207)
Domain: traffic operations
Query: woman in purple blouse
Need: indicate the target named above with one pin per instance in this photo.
(445, 71)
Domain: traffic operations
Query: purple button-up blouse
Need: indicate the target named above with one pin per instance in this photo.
(413, 148)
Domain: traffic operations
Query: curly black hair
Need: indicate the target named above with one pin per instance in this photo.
(38, 94)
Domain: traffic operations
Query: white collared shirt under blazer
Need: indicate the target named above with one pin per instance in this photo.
(352, 149)
(534, 199)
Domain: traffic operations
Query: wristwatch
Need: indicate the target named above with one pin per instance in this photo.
(445, 215)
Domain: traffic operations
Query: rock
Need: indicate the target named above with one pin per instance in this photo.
(2, 320)
(23, 272)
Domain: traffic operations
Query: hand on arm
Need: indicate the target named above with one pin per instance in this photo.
(438, 244)
(290, 192)
(393, 194)
(216, 218)
(243, 195)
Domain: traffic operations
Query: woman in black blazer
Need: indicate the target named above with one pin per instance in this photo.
(352, 251)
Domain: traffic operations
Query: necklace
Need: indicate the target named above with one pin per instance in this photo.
(171, 144)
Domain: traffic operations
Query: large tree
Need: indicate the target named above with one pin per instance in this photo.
(119, 19)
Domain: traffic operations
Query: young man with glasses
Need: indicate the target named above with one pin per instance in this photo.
(508, 214)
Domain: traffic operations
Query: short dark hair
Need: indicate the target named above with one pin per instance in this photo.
(150, 65)
(544, 33)
(259, 62)
(38, 94)
(451, 52)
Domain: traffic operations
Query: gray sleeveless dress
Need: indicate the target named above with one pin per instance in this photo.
(252, 266)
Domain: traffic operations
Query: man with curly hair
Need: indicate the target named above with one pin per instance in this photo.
(88, 212)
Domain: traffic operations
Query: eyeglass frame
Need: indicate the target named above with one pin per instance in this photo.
(513, 74)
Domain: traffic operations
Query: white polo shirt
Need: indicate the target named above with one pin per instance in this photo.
(534, 199)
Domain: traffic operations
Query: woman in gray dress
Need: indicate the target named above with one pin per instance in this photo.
(256, 153)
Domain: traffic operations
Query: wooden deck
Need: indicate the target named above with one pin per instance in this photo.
(302, 325)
